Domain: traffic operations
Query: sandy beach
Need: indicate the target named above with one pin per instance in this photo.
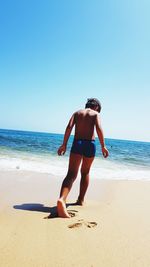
(112, 229)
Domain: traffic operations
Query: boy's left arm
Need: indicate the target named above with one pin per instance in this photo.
(62, 148)
(101, 137)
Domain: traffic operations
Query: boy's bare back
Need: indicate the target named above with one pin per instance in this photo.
(85, 120)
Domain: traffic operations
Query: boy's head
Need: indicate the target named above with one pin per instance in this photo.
(93, 103)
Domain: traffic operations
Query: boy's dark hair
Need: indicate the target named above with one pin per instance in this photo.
(93, 102)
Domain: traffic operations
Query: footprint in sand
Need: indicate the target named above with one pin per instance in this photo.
(90, 224)
(82, 223)
(72, 213)
(75, 225)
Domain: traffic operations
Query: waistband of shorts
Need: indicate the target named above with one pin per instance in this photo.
(80, 139)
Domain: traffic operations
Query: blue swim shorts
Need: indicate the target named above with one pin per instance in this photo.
(86, 148)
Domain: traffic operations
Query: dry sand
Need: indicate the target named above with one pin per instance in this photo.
(111, 230)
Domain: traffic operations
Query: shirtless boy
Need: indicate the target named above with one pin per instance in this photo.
(82, 151)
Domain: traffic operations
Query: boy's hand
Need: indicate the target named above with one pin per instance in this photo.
(61, 150)
(105, 152)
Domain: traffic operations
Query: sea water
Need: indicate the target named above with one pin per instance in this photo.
(37, 151)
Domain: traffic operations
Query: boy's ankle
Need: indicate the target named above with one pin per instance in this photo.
(80, 202)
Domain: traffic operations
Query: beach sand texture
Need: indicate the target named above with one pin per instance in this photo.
(112, 229)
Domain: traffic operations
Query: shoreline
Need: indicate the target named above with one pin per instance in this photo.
(110, 230)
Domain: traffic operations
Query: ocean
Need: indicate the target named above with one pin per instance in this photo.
(37, 151)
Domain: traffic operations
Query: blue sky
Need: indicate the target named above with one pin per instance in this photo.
(56, 54)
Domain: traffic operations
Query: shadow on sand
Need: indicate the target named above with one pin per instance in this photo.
(41, 208)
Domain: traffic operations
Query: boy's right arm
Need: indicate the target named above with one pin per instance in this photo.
(101, 137)
(62, 148)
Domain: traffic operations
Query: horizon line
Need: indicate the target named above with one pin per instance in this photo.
(112, 138)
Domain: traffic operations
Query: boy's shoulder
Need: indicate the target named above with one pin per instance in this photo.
(79, 111)
(86, 111)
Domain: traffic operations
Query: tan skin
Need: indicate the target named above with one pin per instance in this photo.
(85, 121)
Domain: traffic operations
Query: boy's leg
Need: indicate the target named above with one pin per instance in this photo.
(85, 169)
(74, 163)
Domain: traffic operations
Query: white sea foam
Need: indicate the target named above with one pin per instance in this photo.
(37, 164)
(101, 169)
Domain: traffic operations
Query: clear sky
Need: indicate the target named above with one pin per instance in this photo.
(54, 54)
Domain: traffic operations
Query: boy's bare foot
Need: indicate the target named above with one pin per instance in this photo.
(80, 202)
(61, 209)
